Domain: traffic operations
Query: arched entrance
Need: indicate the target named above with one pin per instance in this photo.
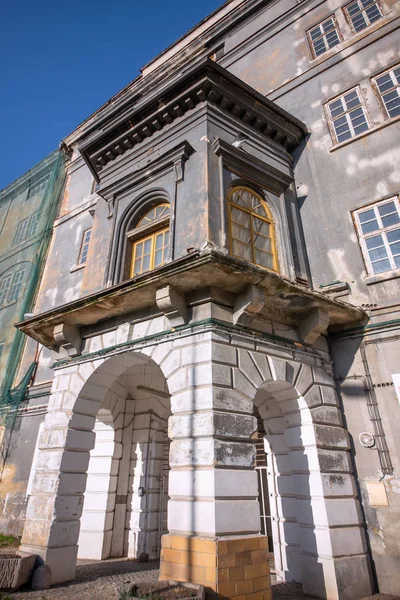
(124, 511)
(291, 522)
(101, 479)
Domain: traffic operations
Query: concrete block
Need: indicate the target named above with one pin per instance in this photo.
(329, 396)
(210, 483)
(332, 437)
(62, 562)
(353, 577)
(94, 521)
(242, 385)
(231, 400)
(334, 460)
(64, 533)
(83, 422)
(347, 541)
(305, 379)
(102, 501)
(68, 508)
(91, 545)
(249, 369)
(343, 511)
(262, 364)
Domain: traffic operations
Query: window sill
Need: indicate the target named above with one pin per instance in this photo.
(8, 304)
(77, 268)
(365, 133)
(386, 276)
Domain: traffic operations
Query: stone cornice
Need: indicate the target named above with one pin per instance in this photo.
(282, 300)
(204, 82)
(257, 170)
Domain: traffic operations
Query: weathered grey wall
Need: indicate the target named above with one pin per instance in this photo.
(269, 51)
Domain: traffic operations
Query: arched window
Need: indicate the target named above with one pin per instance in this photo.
(150, 240)
(251, 228)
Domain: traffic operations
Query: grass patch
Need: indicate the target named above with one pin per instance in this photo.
(8, 541)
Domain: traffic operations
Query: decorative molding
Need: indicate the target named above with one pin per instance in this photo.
(313, 324)
(336, 289)
(205, 82)
(172, 304)
(174, 158)
(68, 338)
(245, 164)
(248, 305)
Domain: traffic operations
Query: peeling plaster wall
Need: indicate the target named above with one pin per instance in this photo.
(270, 52)
(329, 184)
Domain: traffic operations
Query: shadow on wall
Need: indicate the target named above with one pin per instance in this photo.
(296, 549)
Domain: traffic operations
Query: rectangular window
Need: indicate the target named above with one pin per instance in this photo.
(379, 232)
(347, 116)
(20, 235)
(84, 247)
(5, 283)
(323, 36)
(388, 86)
(362, 13)
(33, 223)
(16, 285)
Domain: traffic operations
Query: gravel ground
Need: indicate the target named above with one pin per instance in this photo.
(106, 579)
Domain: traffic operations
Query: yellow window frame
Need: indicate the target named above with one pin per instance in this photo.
(142, 240)
(267, 219)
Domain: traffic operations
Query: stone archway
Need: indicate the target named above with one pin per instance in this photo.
(109, 416)
(317, 526)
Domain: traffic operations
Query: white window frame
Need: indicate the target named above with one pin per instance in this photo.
(22, 226)
(84, 244)
(323, 35)
(19, 276)
(381, 231)
(363, 12)
(346, 114)
(3, 299)
(396, 86)
(33, 219)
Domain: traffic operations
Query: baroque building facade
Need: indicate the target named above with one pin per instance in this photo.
(224, 269)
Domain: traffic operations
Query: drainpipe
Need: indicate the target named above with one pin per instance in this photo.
(372, 403)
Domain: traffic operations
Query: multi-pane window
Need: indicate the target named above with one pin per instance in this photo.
(362, 13)
(323, 36)
(251, 228)
(5, 284)
(151, 248)
(38, 189)
(26, 228)
(388, 85)
(16, 285)
(347, 116)
(379, 231)
(33, 223)
(84, 247)
(20, 234)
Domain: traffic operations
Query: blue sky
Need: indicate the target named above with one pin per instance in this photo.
(60, 61)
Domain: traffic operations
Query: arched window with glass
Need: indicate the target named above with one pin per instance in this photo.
(251, 228)
(150, 240)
